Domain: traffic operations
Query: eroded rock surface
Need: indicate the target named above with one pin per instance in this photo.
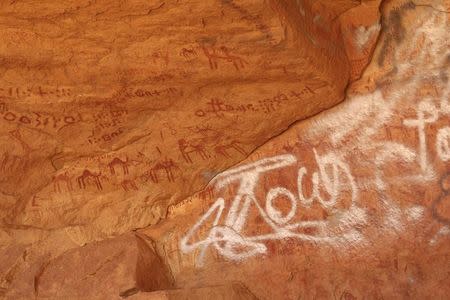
(180, 150)
(117, 110)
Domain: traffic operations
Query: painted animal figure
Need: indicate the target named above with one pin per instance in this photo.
(129, 185)
(63, 177)
(186, 148)
(188, 53)
(233, 145)
(168, 165)
(223, 53)
(121, 163)
(89, 175)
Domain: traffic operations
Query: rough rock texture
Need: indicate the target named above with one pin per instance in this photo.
(230, 291)
(119, 109)
(198, 150)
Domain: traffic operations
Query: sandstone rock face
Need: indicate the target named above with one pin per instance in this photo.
(231, 291)
(140, 108)
(200, 149)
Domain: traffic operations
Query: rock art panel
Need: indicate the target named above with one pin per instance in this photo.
(325, 198)
(118, 117)
(192, 149)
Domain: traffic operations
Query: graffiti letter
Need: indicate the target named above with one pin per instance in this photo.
(426, 113)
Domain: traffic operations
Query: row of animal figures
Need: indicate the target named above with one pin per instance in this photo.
(87, 177)
(166, 166)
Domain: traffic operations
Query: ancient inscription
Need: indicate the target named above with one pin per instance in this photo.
(219, 108)
(38, 119)
(20, 92)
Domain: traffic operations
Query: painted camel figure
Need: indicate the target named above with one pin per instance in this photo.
(214, 54)
(121, 163)
(232, 145)
(186, 148)
(62, 178)
(168, 165)
(85, 176)
(128, 185)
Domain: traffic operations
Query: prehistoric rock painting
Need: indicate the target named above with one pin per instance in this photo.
(88, 177)
(222, 53)
(63, 179)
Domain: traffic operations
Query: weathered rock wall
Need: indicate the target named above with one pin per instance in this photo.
(197, 150)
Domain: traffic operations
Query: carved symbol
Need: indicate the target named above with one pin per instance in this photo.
(9, 116)
(86, 175)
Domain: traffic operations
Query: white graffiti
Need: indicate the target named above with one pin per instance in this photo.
(329, 185)
(334, 188)
(332, 178)
(442, 232)
(426, 113)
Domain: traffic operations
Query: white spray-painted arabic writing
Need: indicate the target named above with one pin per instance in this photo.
(229, 240)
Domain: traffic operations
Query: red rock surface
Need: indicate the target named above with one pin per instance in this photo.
(200, 150)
